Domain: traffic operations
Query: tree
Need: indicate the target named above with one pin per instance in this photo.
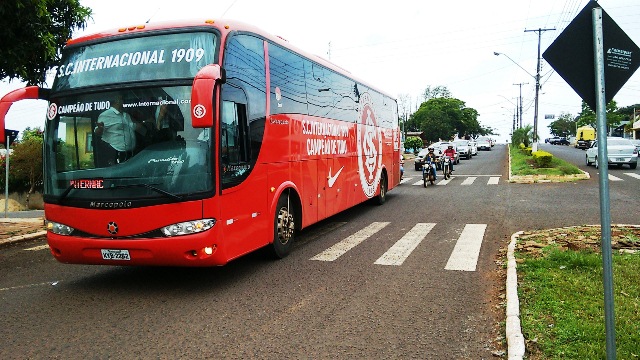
(33, 33)
(26, 162)
(588, 116)
(436, 92)
(413, 142)
(564, 126)
(444, 118)
(523, 135)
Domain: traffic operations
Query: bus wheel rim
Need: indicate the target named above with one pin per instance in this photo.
(285, 226)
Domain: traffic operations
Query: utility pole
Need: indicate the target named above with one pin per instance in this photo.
(535, 116)
(520, 117)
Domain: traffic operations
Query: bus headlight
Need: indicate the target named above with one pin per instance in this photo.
(188, 227)
(59, 229)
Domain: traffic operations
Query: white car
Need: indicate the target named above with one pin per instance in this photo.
(483, 143)
(463, 148)
(474, 147)
(619, 151)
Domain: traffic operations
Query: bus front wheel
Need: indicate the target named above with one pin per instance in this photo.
(283, 228)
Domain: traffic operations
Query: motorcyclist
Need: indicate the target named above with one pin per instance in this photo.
(451, 153)
(430, 158)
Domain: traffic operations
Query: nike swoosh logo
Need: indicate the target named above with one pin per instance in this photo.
(332, 179)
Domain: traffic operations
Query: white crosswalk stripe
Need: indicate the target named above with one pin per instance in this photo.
(350, 242)
(464, 256)
(467, 249)
(633, 175)
(401, 250)
(614, 178)
(469, 180)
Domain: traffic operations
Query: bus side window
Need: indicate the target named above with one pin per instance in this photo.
(234, 142)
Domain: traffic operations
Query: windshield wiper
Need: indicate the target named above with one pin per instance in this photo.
(150, 187)
(65, 193)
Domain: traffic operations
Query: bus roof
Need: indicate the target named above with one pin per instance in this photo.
(225, 26)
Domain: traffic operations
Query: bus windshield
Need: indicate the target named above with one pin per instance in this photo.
(133, 144)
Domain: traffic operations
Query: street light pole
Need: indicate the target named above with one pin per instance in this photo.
(537, 77)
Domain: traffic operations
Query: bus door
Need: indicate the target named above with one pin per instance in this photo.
(244, 211)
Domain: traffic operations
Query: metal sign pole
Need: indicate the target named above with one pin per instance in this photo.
(6, 180)
(605, 214)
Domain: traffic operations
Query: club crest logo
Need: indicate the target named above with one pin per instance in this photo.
(369, 147)
(52, 111)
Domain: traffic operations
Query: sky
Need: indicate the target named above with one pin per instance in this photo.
(402, 47)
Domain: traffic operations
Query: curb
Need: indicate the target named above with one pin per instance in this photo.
(22, 237)
(515, 339)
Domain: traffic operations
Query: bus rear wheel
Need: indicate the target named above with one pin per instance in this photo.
(382, 196)
(283, 228)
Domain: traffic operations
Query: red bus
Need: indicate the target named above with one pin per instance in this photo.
(194, 143)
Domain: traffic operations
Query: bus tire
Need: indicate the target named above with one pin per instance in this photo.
(382, 195)
(283, 228)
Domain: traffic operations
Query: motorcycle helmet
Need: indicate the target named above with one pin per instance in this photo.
(430, 149)
(450, 146)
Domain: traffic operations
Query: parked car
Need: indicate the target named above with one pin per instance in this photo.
(463, 147)
(619, 151)
(557, 140)
(483, 143)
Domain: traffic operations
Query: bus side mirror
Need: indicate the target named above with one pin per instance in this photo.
(202, 95)
(27, 93)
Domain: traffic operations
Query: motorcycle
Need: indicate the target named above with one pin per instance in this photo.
(428, 173)
(446, 167)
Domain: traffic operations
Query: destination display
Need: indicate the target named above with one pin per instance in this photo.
(172, 56)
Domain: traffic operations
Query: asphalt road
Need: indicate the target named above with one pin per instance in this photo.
(354, 306)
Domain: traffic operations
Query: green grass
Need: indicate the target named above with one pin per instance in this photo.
(562, 301)
(522, 164)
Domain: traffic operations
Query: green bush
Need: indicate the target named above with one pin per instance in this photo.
(542, 158)
(526, 151)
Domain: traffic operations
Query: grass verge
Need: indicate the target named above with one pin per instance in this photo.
(522, 164)
(562, 298)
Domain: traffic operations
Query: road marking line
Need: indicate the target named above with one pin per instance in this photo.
(417, 183)
(444, 182)
(50, 283)
(467, 250)
(493, 181)
(469, 180)
(401, 250)
(36, 248)
(405, 180)
(350, 242)
(633, 175)
(614, 178)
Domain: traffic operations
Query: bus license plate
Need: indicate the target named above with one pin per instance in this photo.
(108, 254)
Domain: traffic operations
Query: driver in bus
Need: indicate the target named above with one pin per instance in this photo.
(116, 132)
